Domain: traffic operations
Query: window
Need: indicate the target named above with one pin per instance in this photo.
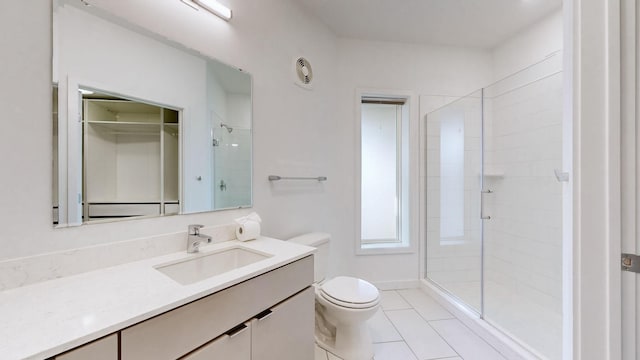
(384, 173)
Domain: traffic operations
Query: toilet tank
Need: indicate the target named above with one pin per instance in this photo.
(320, 241)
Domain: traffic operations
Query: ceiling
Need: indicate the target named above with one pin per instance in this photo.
(468, 23)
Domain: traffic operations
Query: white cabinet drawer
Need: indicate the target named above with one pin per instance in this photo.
(101, 349)
(234, 345)
(285, 332)
(177, 332)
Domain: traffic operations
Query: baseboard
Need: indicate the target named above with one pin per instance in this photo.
(508, 347)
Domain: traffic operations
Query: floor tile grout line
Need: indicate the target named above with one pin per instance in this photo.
(398, 331)
(402, 297)
(408, 308)
(432, 328)
(459, 320)
(427, 295)
(442, 337)
(388, 342)
(437, 333)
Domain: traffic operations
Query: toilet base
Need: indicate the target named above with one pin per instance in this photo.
(350, 343)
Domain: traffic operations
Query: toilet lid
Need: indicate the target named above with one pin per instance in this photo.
(350, 292)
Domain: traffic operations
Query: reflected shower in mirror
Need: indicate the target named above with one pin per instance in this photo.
(141, 126)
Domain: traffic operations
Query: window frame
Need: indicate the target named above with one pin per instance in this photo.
(408, 239)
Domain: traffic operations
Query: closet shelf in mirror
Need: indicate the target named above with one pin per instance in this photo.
(139, 128)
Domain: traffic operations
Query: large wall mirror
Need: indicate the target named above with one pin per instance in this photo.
(141, 126)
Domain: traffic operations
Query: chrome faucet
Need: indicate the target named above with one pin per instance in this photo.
(195, 238)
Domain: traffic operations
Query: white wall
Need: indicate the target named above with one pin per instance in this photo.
(297, 132)
(291, 124)
(440, 72)
(528, 47)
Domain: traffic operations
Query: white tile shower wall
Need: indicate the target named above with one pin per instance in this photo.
(524, 237)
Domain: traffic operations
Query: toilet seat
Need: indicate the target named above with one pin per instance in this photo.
(350, 292)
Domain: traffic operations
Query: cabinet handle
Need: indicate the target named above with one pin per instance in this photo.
(263, 315)
(236, 330)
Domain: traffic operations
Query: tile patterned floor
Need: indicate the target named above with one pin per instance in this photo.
(412, 326)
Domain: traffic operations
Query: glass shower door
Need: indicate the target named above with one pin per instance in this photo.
(453, 183)
(523, 238)
(494, 204)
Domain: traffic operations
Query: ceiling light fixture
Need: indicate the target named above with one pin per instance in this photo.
(215, 8)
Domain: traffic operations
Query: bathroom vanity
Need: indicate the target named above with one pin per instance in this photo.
(267, 317)
(262, 310)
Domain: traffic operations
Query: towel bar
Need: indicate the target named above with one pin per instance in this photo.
(276, 178)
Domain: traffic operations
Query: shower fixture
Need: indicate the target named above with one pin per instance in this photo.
(229, 128)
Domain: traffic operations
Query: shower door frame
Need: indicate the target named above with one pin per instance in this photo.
(564, 155)
(485, 189)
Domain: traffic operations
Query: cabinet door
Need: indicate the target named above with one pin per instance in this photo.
(102, 349)
(285, 332)
(234, 345)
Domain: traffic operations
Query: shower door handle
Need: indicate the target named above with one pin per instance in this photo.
(482, 192)
(561, 176)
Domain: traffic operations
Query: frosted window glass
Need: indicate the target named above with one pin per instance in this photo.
(379, 178)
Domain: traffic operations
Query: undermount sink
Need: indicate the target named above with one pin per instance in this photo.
(191, 270)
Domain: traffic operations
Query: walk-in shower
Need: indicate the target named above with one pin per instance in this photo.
(231, 154)
(494, 185)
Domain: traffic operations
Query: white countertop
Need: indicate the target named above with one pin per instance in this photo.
(44, 319)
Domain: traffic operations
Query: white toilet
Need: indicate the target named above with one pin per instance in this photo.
(343, 305)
